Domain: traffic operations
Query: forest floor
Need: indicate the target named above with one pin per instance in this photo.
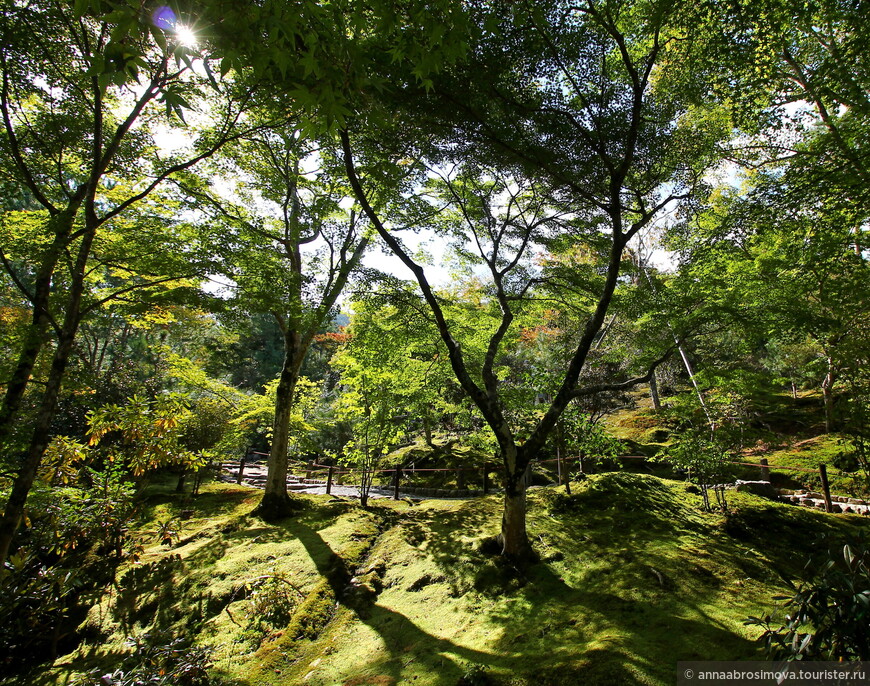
(787, 431)
(633, 577)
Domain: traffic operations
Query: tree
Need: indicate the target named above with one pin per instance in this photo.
(80, 100)
(778, 259)
(581, 118)
(292, 250)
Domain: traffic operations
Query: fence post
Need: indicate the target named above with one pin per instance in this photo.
(765, 470)
(329, 481)
(485, 480)
(241, 468)
(398, 478)
(826, 488)
(567, 469)
(308, 469)
(527, 475)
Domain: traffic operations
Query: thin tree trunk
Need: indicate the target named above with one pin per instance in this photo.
(119, 350)
(686, 363)
(828, 396)
(42, 427)
(564, 466)
(427, 430)
(654, 393)
(276, 501)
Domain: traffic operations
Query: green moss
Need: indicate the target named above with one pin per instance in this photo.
(799, 462)
(634, 577)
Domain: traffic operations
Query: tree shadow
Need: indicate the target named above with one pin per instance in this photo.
(630, 569)
(641, 591)
(542, 617)
(388, 623)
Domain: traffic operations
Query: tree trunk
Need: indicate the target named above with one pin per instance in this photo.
(35, 336)
(41, 435)
(564, 466)
(27, 356)
(654, 393)
(828, 399)
(276, 502)
(513, 538)
(427, 430)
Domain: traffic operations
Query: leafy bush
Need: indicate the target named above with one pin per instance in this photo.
(157, 660)
(706, 461)
(143, 434)
(73, 539)
(36, 602)
(828, 617)
(272, 600)
(92, 514)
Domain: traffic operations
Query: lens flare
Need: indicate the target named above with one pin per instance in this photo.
(185, 35)
(164, 18)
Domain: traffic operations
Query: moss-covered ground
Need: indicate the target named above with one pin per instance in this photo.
(633, 577)
(788, 431)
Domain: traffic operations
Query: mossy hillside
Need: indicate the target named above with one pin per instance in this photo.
(787, 431)
(222, 567)
(633, 577)
(799, 460)
(437, 463)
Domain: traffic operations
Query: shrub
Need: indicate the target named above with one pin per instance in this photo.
(706, 461)
(828, 616)
(158, 659)
(73, 539)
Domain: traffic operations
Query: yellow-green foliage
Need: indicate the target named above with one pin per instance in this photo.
(633, 577)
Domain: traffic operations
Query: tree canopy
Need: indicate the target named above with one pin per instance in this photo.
(210, 211)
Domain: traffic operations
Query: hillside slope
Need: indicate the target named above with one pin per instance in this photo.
(633, 577)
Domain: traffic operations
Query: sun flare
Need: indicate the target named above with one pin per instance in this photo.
(185, 35)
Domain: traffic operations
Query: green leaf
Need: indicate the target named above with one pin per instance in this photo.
(159, 37)
(103, 80)
(226, 66)
(210, 75)
(848, 555)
